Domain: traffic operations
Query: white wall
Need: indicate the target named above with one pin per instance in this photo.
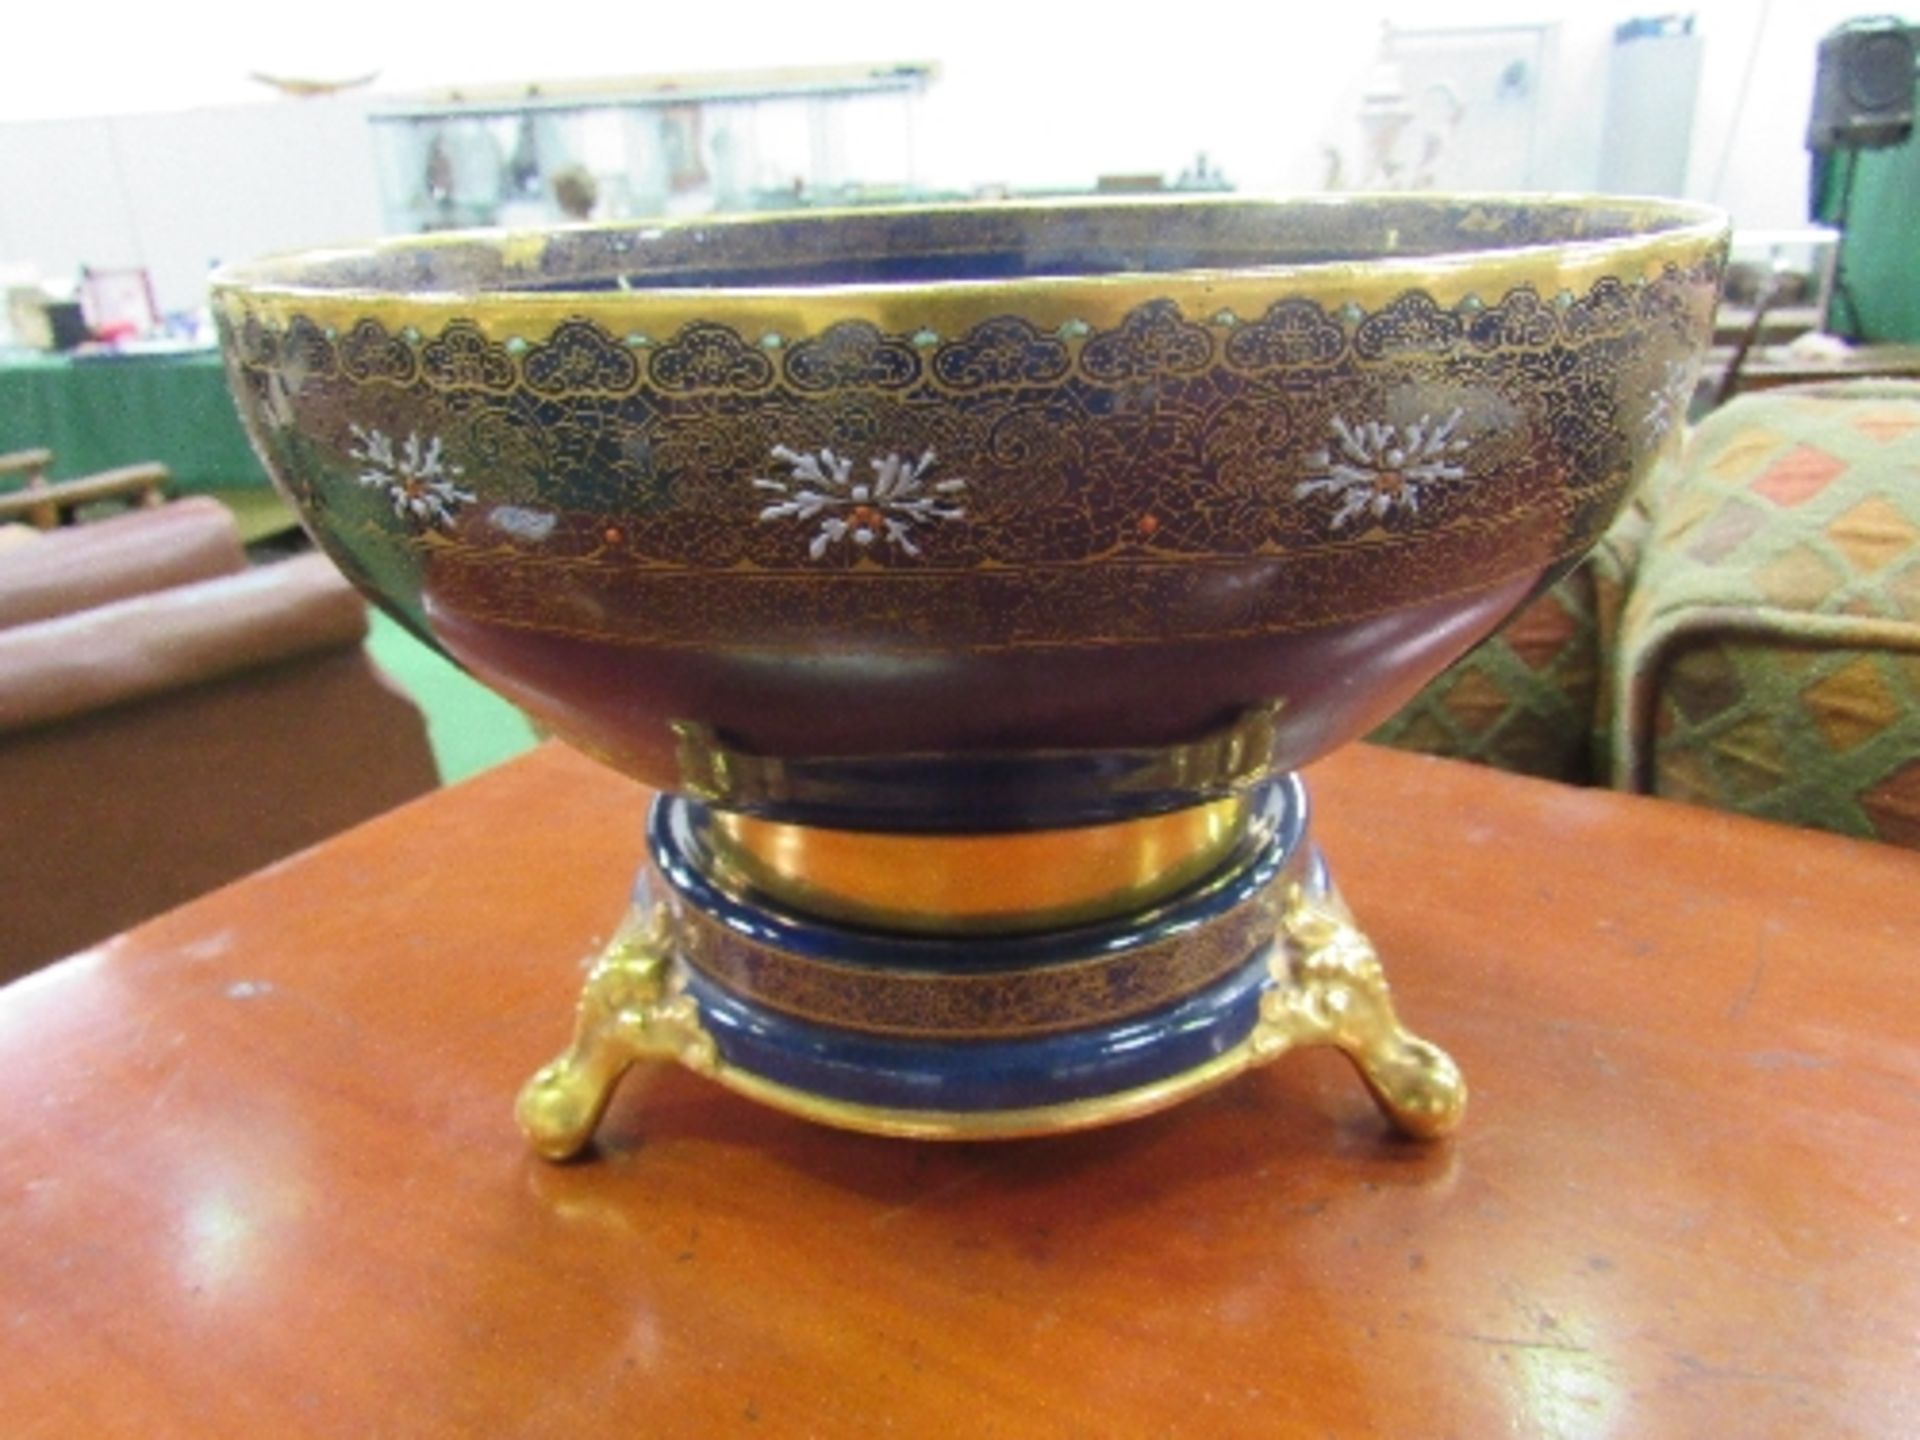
(201, 164)
(176, 192)
(1756, 90)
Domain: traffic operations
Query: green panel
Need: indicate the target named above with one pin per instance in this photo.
(95, 414)
(469, 726)
(1879, 258)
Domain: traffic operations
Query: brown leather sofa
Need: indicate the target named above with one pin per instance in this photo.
(172, 719)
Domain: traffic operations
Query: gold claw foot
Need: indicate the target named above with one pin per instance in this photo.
(629, 1011)
(1329, 989)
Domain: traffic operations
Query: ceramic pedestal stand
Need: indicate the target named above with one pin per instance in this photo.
(977, 1030)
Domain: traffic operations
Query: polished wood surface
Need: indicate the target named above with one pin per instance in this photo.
(1771, 366)
(45, 506)
(260, 1179)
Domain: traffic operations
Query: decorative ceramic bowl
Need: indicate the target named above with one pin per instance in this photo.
(975, 480)
(973, 577)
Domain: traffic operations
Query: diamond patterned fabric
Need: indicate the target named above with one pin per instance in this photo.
(1746, 637)
(1532, 698)
(1770, 650)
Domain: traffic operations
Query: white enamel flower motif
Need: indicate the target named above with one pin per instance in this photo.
(417, 478)
(1375, 468)
(1669, 401)
(884, 509)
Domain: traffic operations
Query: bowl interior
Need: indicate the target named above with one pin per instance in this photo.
(959, 244)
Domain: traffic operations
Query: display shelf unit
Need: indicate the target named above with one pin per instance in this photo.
(665, 145)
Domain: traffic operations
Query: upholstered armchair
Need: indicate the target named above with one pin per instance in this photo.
(1748, 637)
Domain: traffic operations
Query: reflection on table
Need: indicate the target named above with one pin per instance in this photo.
(262, 1177)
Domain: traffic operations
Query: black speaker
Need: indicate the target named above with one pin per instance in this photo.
(1863, 88)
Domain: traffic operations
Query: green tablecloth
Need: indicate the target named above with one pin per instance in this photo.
(97, 413)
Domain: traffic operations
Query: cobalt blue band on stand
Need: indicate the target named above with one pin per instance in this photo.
(984, 1023)
(1028, 790)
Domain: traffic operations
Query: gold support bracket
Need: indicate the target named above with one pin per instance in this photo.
(1329, 989)
(629, 1011)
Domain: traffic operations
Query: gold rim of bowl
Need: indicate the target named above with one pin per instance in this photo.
(1662, 233)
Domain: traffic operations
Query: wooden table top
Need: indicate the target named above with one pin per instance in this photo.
(259, 1174)
(1769, 366)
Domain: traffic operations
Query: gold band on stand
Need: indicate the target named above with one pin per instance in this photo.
(978, 884)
